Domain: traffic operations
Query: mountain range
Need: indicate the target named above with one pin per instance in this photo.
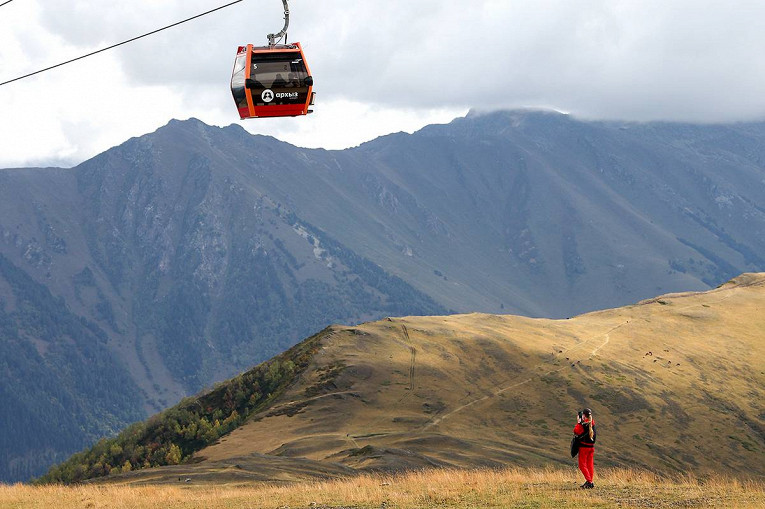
(184, 256)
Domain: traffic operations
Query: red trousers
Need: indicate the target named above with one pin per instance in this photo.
(586, 462)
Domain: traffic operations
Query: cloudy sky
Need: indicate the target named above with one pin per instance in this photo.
(379, 67)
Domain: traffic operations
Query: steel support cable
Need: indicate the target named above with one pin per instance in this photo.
(119, 43)
(6, 2)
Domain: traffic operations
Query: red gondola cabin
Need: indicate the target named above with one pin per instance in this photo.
(272, 81)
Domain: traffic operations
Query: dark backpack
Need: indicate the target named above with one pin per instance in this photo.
(574, 446)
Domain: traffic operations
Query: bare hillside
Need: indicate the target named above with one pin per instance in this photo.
(675, 383)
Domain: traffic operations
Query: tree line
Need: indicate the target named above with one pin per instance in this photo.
(173, 436)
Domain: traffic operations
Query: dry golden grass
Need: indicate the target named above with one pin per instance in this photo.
(423, 489)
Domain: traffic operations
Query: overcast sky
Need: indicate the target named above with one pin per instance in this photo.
(379, 67)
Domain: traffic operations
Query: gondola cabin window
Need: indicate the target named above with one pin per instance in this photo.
(277, 70)
(237, 82)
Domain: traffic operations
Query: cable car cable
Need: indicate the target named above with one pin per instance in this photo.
(6, 2)
(119, 43)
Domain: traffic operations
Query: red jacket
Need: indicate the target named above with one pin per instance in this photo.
(579, 430)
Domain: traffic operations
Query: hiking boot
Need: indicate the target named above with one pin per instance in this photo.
(589, 485)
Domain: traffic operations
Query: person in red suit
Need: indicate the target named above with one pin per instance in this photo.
(585, 432)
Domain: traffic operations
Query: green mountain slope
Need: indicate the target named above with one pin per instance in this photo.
(60, 389)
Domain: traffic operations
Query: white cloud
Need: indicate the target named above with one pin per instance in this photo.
(379, 66)
(360, 122)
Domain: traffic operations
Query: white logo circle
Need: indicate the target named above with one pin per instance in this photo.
(267, 95)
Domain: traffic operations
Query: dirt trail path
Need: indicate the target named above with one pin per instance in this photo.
(606, 340)
(413, 359)
(407, 343)
(517, 383)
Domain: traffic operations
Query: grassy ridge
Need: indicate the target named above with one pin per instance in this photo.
(673, 382)
(172, 436)
(424, 489)
(473, 391)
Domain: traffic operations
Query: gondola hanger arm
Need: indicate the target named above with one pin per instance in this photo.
(273, 38)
